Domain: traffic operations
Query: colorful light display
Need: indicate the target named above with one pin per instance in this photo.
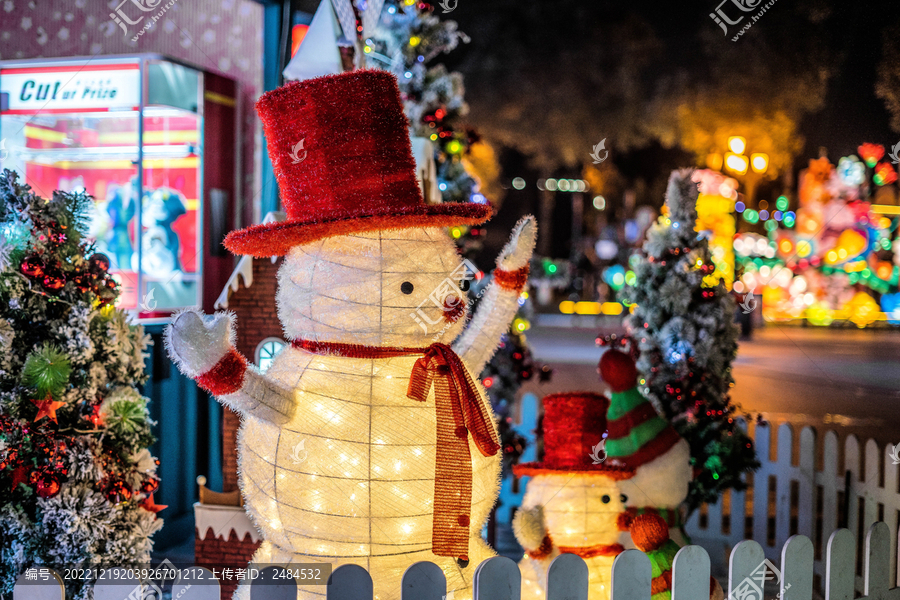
(837, 258)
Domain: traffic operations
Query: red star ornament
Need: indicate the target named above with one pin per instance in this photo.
(150, 505)
(47, 408)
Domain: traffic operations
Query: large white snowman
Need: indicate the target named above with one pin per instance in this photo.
(369, 439)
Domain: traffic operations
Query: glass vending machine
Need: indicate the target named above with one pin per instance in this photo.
(130, 132)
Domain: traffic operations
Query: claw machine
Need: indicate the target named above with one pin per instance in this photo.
(132, 132)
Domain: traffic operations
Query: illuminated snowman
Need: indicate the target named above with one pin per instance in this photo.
(573, 499)
(607, 460)
(368, 440)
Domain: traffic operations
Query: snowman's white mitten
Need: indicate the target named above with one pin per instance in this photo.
(518, 249)
(197, 342)
(529, 529)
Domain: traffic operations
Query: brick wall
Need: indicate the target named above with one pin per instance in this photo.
(257, 319)
(216, 553)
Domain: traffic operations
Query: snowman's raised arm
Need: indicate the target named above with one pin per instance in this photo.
(500, 302)
(203, 348)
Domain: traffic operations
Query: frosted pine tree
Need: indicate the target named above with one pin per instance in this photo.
(76, 478)
(409, 38)
(684, 327)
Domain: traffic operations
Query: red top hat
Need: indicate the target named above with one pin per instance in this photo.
(574, 424)
(354, 170)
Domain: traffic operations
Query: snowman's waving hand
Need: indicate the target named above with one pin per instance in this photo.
(478, 343)
(517, 251)
(203, 348)
(530, 529)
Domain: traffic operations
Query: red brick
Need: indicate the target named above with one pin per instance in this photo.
(257, 320)
(216, 552)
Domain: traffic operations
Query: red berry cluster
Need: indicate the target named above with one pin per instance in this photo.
(42, 267)
(42, 466)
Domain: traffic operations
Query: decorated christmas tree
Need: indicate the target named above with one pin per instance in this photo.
(408, 41)
(76, 478)
(684, 328)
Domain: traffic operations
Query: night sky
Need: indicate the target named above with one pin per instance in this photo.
(615, 67)
(852, 113)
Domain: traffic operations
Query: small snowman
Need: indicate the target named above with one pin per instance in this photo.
(646, 444)
(377, 389)
(573, 500)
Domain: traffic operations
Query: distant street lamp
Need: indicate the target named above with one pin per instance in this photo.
(736, 162)
(759, 162)
(737, 144)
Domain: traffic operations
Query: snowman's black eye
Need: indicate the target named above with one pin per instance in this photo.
(406, 287)
(464, 285)
(623, 498)
(605, 499)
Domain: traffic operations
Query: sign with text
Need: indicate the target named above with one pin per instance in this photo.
(70, 88)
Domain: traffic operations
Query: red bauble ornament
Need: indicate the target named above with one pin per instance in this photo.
(33, 266)
(617, 369)
(99, 262)
(48, 486)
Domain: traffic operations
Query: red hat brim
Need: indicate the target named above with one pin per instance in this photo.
(535, 468)
(276, 239)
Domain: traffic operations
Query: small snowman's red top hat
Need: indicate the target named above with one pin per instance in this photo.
(354, 170)
(574, 425)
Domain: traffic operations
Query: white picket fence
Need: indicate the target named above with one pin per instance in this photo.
(499, 578)
(805, 489)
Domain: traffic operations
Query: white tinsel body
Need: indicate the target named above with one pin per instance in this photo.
(361, 490)
(574, 515)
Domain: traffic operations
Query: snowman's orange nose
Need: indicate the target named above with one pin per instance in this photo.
(454, 308)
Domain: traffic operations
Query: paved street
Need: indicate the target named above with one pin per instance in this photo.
(847, 380)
